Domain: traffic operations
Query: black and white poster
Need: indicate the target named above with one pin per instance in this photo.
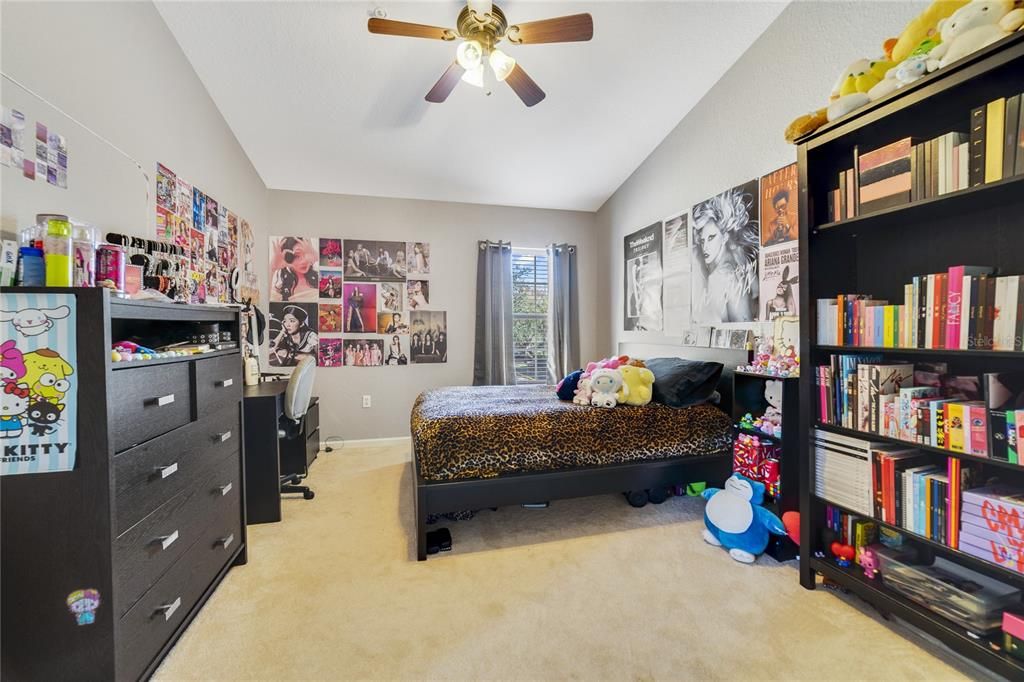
(724, 245)
(676, 273)
(643, 280)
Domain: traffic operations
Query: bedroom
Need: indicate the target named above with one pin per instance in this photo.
(403, 252)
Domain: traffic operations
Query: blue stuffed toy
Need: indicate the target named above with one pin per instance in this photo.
(566, 388)
(734, 519)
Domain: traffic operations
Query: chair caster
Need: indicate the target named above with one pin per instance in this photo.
(637, 498)
(657, 495)
(308, 495)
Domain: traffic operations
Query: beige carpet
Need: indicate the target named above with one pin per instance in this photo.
(588, 589)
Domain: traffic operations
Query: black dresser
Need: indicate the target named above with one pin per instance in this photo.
(152, 517)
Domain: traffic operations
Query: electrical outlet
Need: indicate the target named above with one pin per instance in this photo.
(366, 401)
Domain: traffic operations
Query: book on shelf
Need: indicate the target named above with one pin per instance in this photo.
(992, 524)
(843, 470)
(968, 307)
(1004, 404)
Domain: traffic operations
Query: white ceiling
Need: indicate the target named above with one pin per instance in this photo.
(319, 104)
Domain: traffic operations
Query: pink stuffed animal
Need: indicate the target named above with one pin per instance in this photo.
(607, 363)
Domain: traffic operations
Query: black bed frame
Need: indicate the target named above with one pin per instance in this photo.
(437, 497)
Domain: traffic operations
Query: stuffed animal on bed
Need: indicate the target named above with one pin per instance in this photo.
(566, 388)
(583, 392)
(734, 519)
(636, 385)
(607, 363)
(605, 384)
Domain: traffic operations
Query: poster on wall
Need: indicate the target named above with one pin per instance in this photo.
(417, 294)
(642, 294)
(676, 273)
(38, 365)
(330, 284)
(331, 353)
(364, 352)
(396, 349)
(330, 318)
(417, 256)
(294, 269)
(330, 253)
(391, 323)
(374, 261)
(780, 258)
(291, 332)
(360, 308)
(390, 297)
(725, 237)
(428, 336)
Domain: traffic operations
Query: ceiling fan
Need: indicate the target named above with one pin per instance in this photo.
(481, 26)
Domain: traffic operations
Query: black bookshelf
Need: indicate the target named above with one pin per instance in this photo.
(876, 254)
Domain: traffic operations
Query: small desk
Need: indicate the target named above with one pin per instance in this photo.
(264, 405)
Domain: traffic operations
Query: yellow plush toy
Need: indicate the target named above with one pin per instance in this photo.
(636, 385)
(923, 26)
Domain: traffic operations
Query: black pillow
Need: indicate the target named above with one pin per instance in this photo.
(682, 383)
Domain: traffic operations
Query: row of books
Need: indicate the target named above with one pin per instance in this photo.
(967, 307)
(924, 404)
(989, 149)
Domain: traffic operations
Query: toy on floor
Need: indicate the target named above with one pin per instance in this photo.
(791, 520)
(605, 384)
(733, 518)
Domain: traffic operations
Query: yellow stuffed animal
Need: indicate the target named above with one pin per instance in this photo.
(636, 385)
(923, 26)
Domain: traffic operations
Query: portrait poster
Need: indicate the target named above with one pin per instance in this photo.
(331, 353)
(330, 284)
(724, 243)
(390, 297)
(428, 336)
(374, 261)
(676, 273)
(779, 272)
(330, 253)
(396, 349)
(360, 308)
(364, 352)
(212, 218)
(294, 269)
(417, 256)
(330, 318)
(291, 333)
(39, 368)
(418, 294)
(780, 194)
(694, 335)
(392, 323)
(166, 188)
(642, 273)
(198, 209)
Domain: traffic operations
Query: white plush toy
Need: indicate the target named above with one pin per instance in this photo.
(904, 73)
(605, 383)
(583, 392)
(977, 24)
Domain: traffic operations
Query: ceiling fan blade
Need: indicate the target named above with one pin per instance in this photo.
(445, 84)
(574, 27)
(524, 86)
(389, 27)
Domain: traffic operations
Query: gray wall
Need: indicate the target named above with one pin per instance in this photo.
(735, 132)
(453, 231)
(116, 68)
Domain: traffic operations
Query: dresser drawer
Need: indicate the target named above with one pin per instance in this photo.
(148, 401)
(148, 475)
(144, 552)
(218, 381)
(147, 626)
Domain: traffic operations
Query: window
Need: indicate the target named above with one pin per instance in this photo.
(530, 315)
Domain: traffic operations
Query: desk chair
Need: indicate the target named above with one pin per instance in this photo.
(296, 402)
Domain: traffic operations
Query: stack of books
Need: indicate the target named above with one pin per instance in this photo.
(991, 525)
(940, 166)
(997, 140)
(1004, 403)
(843, 470)
(965, 308)
(884, 177)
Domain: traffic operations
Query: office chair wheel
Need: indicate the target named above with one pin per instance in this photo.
(308, 495)
(636, 498)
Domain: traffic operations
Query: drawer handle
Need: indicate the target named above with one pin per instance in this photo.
(226, 542)
(166, 471)
(224, 383)
(168, 540)
(222, 437)
(225, 489)
(162, 400)
(169, 609)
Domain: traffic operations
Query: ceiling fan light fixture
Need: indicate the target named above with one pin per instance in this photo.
(470, 55)
(474, 77)
(502, 64)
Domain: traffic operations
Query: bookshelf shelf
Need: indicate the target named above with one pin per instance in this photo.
(954, 636)
(879, 253)
(1011, 354)
(966, 456)
(922, 209)
(968, 560)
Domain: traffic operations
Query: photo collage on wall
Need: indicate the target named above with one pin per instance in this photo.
(734, 259)
(353, 303)
(46, 158)
(216, 241)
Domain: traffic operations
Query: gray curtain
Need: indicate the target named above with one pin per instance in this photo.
(563, 312)
(493, 363)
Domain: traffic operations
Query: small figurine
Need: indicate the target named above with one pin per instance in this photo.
(844, 554)
(869, 561)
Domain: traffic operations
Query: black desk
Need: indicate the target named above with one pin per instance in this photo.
(267, 458)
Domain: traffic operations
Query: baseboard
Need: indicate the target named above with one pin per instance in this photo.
(370, 442)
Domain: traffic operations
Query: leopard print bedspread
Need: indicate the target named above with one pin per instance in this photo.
(486, 431)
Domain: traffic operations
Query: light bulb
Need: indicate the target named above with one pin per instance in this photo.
(502, 64)
(469, 55)
(475, 76)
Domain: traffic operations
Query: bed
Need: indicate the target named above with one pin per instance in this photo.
(476, 447)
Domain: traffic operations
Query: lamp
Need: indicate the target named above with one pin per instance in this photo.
(469, 55)
(502, 64)
(475, 76)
